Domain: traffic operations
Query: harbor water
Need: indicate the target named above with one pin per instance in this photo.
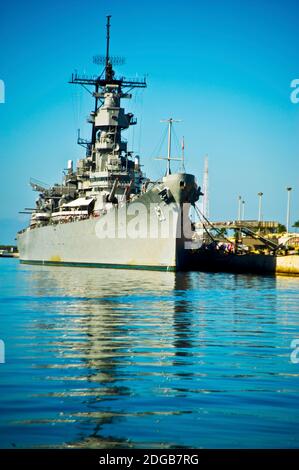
(138, 359)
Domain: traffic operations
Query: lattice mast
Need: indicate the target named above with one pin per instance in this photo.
(101, 84)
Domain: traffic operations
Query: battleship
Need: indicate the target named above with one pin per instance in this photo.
(107, 212)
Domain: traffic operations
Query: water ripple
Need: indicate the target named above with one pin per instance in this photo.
(103, 358)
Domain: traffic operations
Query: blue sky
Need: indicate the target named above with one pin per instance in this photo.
(223, 67)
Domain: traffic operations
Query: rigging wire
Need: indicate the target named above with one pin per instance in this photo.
(208, 222)
(76, 98)
(132, 128)
(158, 147)
(177, 143)
(141, 121)
(87, 89)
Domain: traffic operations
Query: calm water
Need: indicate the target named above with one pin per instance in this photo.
(113, 358)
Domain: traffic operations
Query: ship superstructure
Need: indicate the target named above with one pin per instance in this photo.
(109, 174)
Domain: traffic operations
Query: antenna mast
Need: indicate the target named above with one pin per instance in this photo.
(169, 158)
(183, 155)
(100, 83)
(107, 44)
(169, 146)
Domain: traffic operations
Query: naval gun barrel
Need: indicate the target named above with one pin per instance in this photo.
(111, 195)
(126, 195)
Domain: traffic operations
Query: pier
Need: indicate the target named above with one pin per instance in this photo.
(238, 224)
(254, 247)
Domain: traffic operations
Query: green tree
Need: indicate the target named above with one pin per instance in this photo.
(296, 224)
(281, 228)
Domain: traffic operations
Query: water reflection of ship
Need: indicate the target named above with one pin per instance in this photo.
(97, 313)
(182, 319)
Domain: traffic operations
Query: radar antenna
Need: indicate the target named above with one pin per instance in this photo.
(109, 79)
(107, 60)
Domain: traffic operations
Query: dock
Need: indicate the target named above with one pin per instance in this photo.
(255, 247)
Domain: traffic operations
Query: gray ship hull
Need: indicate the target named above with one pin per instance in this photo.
(157, 238)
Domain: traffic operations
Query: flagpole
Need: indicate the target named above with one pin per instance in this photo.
(183, 155)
